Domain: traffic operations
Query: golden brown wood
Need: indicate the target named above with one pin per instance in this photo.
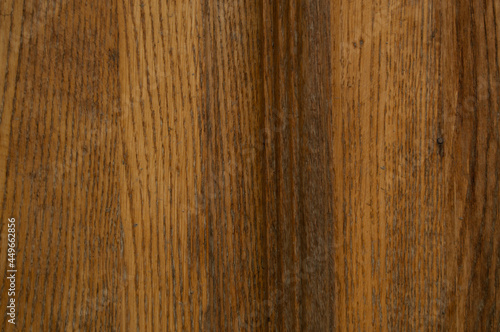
(251, 165)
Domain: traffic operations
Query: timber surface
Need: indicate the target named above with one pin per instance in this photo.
(251, 165)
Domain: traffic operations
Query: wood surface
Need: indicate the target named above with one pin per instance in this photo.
(214, 165)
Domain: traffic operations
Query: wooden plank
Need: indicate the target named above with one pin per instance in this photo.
(236, 165)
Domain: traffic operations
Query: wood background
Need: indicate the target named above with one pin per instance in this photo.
(215, 165)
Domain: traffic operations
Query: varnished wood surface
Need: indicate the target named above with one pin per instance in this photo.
(301, 165)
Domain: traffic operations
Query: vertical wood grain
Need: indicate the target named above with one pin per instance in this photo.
(471, 126)
(160, 166)
(59, 92)
(298, 125)
(416, 181)
(232, 172)
(388, 190)
(206, 165)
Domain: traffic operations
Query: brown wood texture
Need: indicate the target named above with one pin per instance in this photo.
(299, 165)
